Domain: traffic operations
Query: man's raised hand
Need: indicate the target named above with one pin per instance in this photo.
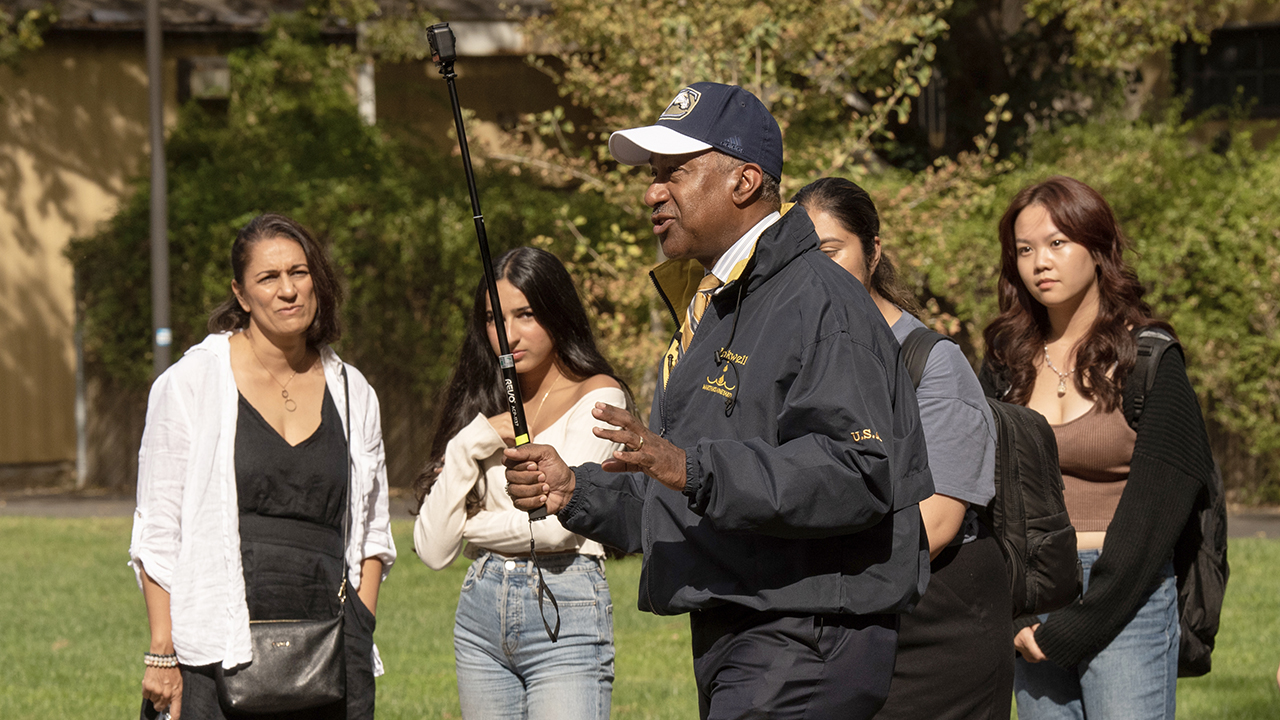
(646, 451)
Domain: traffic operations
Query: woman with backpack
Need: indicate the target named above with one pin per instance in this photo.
(509, 666)
(1064, 345)
(955, 650)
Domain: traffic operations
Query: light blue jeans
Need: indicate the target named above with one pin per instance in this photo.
(1135, 677)
(508, 667)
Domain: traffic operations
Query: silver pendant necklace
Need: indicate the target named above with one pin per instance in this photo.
(1062, 376)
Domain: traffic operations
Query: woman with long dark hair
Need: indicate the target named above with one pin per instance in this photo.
(955, 650)
(1064, 345)
(260, 447)
(507, 665)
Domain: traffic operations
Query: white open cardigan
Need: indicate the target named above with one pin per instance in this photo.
(186, 530)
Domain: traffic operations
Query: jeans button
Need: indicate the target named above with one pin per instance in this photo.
(510, 565)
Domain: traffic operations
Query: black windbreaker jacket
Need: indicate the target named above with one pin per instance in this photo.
(803, 496)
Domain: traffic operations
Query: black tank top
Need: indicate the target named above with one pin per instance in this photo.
(291, 511)
(304, 481)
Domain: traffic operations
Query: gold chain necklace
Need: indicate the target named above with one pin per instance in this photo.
(289, 403)
(1062, 376)
(543, 401)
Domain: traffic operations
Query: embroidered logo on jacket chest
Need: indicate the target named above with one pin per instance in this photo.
(724, 383)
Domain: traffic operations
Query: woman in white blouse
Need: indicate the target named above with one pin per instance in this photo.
(258, 443)
(508, 667)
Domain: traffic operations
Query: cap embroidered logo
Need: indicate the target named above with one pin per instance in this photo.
(682, 105)
(732, 144)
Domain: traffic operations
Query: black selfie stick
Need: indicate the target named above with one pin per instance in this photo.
(443, 54)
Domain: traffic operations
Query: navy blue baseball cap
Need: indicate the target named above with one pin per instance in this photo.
(705, 116)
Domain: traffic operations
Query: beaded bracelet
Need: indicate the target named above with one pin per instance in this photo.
(160, 661)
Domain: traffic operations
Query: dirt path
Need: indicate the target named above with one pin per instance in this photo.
(70, 504)
(1243, 522)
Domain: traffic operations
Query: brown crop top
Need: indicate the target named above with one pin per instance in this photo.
(1094, 451)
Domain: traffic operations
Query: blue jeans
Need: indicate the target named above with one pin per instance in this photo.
(508, 667)
(1135, 677)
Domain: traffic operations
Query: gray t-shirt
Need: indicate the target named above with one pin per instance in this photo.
(957, 423)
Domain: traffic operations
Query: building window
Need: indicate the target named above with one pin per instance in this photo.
(1244, 60)
(207, 80)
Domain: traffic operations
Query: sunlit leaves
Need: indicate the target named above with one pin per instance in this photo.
(23, 33)
(1114, 34)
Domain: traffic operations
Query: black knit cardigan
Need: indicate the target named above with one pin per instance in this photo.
(1171, 466)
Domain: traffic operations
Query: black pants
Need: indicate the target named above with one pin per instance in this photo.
(955, 651)
(751, 664)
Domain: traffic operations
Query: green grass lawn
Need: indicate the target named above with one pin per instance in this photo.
(73, 629)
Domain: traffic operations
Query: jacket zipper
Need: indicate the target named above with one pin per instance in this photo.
(662, 402)
(662, 431)
(654, 279)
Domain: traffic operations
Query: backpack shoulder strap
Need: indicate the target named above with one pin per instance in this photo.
(916, 349)
(1152, 344)
(993, 381)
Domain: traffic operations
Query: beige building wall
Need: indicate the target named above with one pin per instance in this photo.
(73, 130)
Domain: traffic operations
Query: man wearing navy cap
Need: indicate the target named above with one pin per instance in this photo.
(784, 438)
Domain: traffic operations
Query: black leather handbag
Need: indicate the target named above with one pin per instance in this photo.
(297, 664)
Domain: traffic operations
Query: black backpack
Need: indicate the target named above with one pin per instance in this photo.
(1027, 515)
(1200, 557)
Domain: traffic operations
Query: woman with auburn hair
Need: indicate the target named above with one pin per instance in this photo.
(955, 649)
(1064, 345)
(508, 666)
(260, 447)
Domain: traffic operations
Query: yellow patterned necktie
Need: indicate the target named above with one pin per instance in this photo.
(693, 317)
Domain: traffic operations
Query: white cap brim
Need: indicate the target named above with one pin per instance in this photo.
(634, 146)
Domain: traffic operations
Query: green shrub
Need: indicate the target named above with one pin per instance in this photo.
(1205, 223)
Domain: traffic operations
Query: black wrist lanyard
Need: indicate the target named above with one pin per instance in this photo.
(542, 588)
